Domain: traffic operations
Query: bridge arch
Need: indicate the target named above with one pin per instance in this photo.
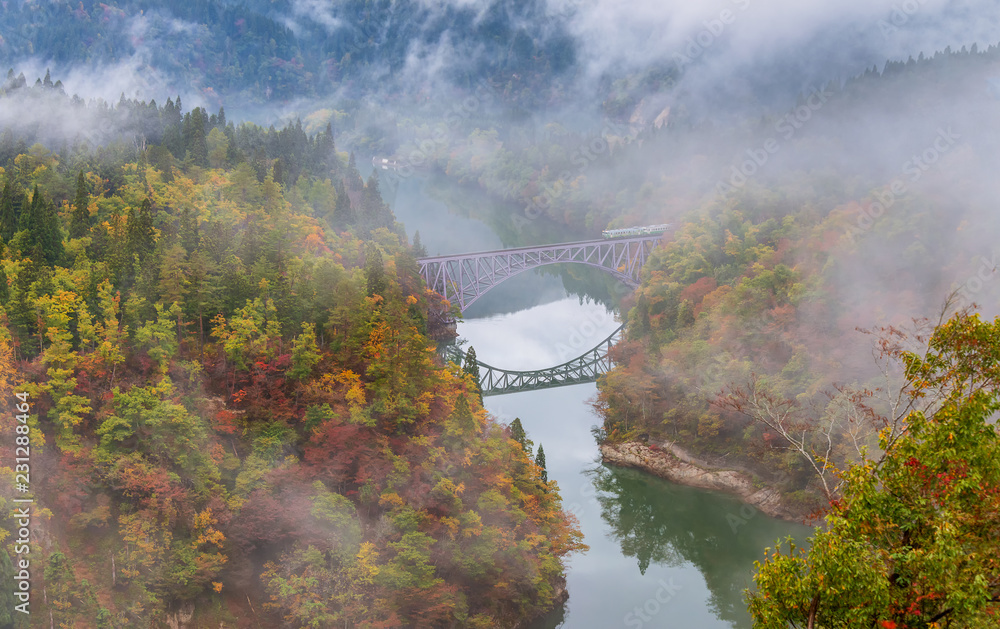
(463, 279)
(584, 368)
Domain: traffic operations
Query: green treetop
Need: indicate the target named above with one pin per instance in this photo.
(518, 434)
(80, 223)
(540, 462)
(913, 540)
(471, 367)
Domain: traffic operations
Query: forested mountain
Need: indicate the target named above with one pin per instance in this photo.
(278, 51)
(865, 203)
(236, 414)
(860, 221)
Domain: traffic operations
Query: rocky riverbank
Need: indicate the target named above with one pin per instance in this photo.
(672, 463)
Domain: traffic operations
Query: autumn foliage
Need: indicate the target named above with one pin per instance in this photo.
(238, 412)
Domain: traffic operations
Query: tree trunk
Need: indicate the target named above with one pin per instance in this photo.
(813, 610)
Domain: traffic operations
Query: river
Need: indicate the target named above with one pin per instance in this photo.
(661, 554)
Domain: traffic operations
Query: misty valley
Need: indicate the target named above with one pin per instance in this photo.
(497, 314)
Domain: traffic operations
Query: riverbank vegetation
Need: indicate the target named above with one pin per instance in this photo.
(911, 542)
(763, 333)
(798, 324)
(237, 414)
(789, 245)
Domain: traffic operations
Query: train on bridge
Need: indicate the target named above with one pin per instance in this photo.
(628, 232)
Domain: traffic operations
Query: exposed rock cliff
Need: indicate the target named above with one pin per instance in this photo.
(673, 464)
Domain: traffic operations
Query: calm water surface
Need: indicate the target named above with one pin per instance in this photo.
(661, 555)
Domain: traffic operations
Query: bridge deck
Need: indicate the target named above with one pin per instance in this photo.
(464, 278)
(531, 248)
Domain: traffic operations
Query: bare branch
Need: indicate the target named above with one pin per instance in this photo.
(780, 416)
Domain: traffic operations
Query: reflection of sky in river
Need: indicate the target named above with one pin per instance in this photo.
(699, 564)
(540, 337)
(605, 586)
(684, 533)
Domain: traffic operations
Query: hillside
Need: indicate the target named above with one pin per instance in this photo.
(235, 411)
(865, 221)
(239, 54)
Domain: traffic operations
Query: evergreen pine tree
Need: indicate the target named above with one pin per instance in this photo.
(325, 156)
(80, 224)
(4, 286)
(195, 137)
(173, 128)
(540, 462)
(21, 310)
(139, 234)
(518, 434)
(278, 172)
(374, 270)
(343, 213)
(471, 367)
(374, 212)
(188, 231)
(419, 250)
(42, 224)
(353, 176)
(11, 202)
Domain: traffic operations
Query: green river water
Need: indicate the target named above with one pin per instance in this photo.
(661, 554)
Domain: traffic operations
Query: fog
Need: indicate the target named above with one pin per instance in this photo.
(734, 46)
(666, 111)
(731, 35)
(750, 94)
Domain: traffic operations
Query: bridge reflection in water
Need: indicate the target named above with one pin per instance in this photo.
(582, 369)
(464, 278)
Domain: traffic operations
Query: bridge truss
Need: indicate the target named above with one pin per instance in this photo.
(580, 370)
(462, 279)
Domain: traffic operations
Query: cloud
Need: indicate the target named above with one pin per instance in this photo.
(525, 340)
(811, 40)
(319, 11)
(134, 72)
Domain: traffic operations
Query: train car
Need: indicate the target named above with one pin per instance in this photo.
(627, 232)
